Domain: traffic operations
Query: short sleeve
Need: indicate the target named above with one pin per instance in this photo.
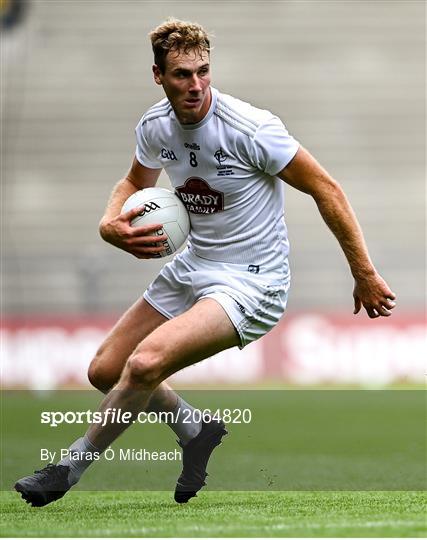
(273, 147)
(143, 151)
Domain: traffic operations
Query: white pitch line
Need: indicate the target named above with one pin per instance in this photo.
(277, 526)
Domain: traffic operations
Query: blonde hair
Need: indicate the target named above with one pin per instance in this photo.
(176, 35)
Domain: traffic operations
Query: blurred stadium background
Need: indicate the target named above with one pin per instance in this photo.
(348, 80)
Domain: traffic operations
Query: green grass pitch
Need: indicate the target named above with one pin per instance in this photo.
(310, 464)
(220, 514)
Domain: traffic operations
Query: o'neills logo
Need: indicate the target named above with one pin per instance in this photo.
(199, 198)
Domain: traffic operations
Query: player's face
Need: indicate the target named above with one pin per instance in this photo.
(186, 82)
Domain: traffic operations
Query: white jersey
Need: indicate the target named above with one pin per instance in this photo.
(223, 169)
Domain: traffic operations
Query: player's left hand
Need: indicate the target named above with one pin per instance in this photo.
(375, 295)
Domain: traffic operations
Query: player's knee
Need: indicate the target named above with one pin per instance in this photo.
(99, 376)
(144, 369)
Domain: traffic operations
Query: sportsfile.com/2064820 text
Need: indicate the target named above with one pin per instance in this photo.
(112, 415)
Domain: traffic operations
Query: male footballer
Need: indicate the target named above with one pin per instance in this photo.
(228, 162)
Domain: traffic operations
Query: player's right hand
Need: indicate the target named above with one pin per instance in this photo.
(141, 242)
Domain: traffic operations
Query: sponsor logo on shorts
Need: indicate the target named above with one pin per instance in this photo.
(241, 308)
(253, 268)
(199, 198)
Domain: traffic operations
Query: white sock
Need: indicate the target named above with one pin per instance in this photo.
(185, 425)
(81, 454)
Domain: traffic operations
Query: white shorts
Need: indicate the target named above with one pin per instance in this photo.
(254, 302)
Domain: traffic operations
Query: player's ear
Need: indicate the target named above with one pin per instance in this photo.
(156, 73)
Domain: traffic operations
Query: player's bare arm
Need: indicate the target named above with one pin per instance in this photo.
(115, 228)
(305, 174)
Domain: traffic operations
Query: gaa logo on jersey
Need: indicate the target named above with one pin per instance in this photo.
(199, 198)
(168, 154)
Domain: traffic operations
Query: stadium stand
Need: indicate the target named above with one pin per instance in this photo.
(347, 78)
